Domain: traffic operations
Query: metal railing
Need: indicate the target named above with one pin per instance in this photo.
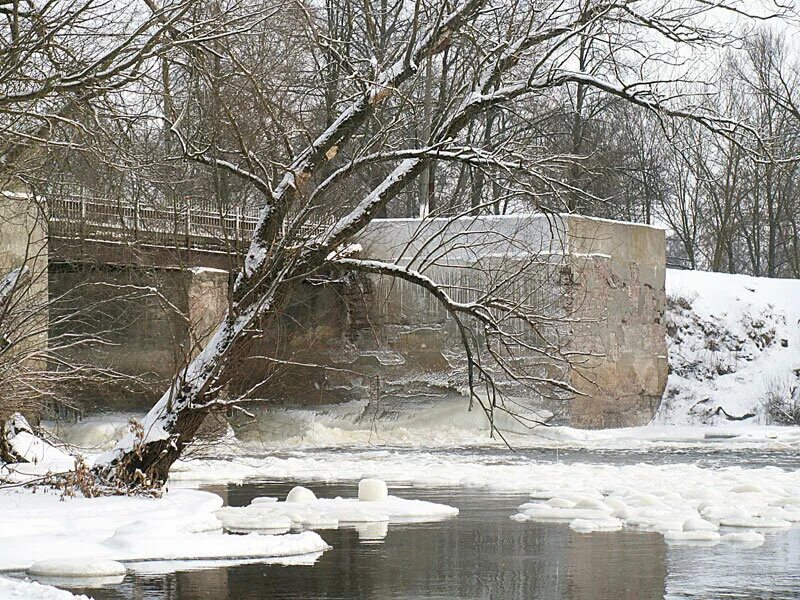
(193, 224)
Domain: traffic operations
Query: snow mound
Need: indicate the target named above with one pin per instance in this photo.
(30, 590)
(300, 495)
(77, 568)
(734, 349)
(372, 490)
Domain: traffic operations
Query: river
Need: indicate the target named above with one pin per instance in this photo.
(484, 554)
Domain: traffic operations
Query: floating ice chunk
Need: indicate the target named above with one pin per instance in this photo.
(264, 500)
(744, 537)
(206, 546)
(543, 512)
(325, 513)
(644, 500)
(719, 513)
(791, 515)
(697, 524)
(76, 567)
(787, 501)
(592, 504)
(253, 518)
(350, 510)
(747, 488)
(589, 525)
(372, 490)
(520, 517)
(755, 522)
(300, 495)
(560, 503)
(396, 509)
(623, 513)
(700, 535)
(31, 590)
(308, 517)
(615, 503)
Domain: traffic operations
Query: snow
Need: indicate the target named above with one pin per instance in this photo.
(374, 505)
(8, 282)
(30, 590)
(33, 449)
(684, 502)
(73, 567)
(372, 490)
(180, 525)
(300, 495)
(734, 341)
(201, 270)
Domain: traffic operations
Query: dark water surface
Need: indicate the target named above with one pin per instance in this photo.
(483, 554)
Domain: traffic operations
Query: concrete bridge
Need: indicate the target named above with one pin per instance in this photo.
(383, 339)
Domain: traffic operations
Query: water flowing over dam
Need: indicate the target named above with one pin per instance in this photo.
(596, 288)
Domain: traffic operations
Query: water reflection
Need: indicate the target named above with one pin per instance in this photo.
(481, 554)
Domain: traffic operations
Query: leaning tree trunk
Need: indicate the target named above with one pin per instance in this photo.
(144, 456)
(272, 267)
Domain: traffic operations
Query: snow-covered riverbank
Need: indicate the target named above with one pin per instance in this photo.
(32, 590)
(734, 348)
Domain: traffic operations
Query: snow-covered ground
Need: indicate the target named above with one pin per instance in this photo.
(31, 590)
(734, 345)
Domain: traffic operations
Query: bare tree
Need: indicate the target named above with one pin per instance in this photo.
(513, 55)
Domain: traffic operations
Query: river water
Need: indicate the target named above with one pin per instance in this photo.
(483, 554)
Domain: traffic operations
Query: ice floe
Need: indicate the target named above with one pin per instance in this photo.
(682, 498)
(71, 567)
(303, 510)
(43, 527)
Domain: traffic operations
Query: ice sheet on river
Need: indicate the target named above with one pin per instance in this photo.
(688, 500)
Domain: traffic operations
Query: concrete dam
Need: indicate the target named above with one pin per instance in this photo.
(596, 286)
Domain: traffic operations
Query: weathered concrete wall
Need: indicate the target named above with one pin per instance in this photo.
(598, 287)
(619, 300)
(23, 244)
